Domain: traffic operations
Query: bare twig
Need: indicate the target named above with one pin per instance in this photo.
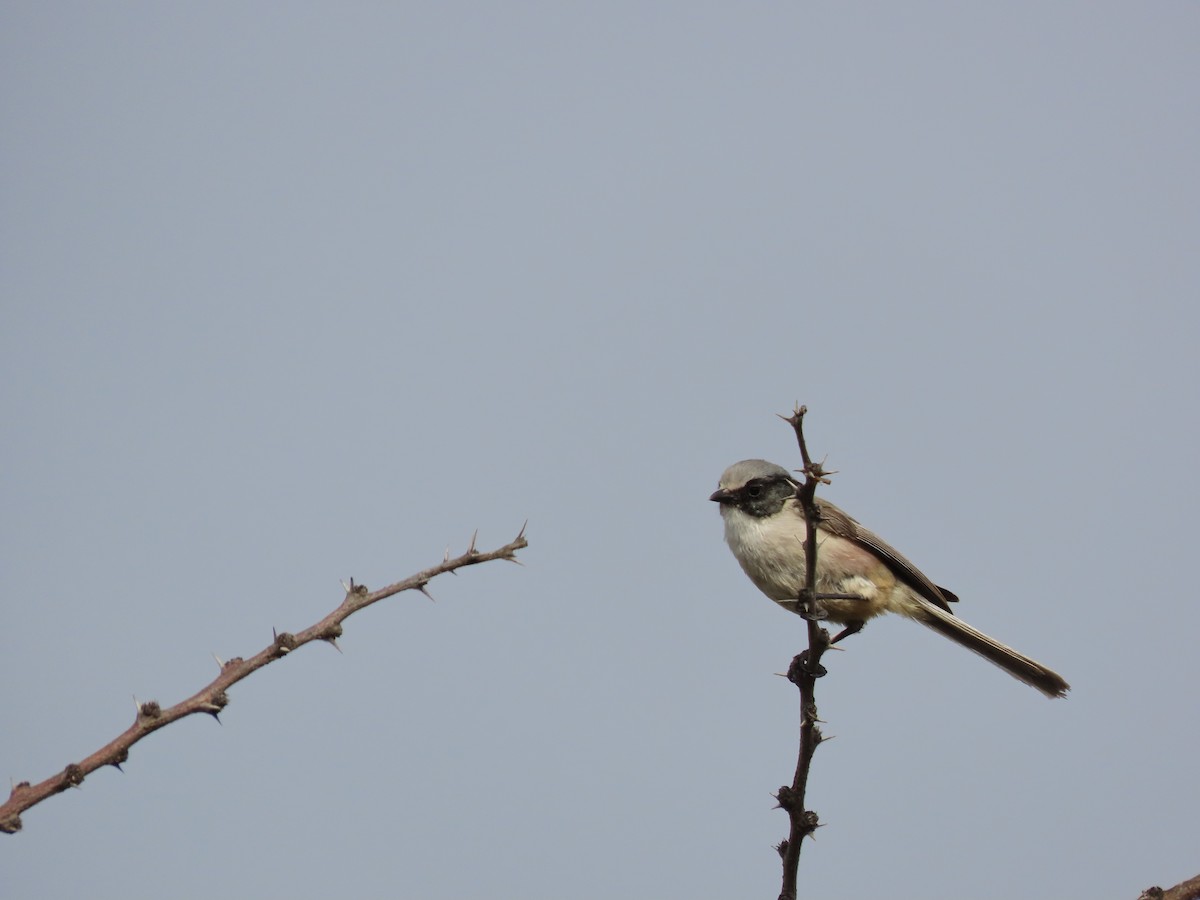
(212, 698)
(804, 671)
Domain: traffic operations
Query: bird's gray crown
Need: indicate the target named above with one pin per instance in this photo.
(737, 475)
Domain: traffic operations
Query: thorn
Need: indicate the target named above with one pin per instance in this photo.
(471, 551)
(513, 559)
(331, 635)
(285, 642)
(347, 588)
(521, 533)
(425, 590)
(220, 662)
(219, 701)
(446, 556)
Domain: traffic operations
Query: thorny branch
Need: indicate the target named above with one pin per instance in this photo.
(1185, 890)
(804, 671)
(213, 698)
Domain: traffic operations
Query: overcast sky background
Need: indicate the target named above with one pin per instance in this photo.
(294, 292)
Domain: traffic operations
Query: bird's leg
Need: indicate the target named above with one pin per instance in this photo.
(852, 628)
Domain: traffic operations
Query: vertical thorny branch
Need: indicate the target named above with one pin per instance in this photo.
(804, 671)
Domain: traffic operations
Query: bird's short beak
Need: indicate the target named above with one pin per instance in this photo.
(721, 496)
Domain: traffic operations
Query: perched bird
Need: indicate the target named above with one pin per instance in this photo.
(765, 529)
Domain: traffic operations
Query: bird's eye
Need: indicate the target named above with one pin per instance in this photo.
(754, 490)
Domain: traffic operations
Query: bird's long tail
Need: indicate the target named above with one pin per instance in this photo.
(1015, 664)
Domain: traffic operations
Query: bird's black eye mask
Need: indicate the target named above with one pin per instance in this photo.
(765, 496)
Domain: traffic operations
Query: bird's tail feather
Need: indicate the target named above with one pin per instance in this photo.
(1015, 664)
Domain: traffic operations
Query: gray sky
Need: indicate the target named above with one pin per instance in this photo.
(299, 292)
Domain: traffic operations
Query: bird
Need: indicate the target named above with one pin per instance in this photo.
(765, 528)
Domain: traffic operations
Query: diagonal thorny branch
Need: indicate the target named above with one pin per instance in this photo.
(212, 698)
(804, 671)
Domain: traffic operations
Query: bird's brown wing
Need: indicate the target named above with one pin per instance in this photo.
(835, 521)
